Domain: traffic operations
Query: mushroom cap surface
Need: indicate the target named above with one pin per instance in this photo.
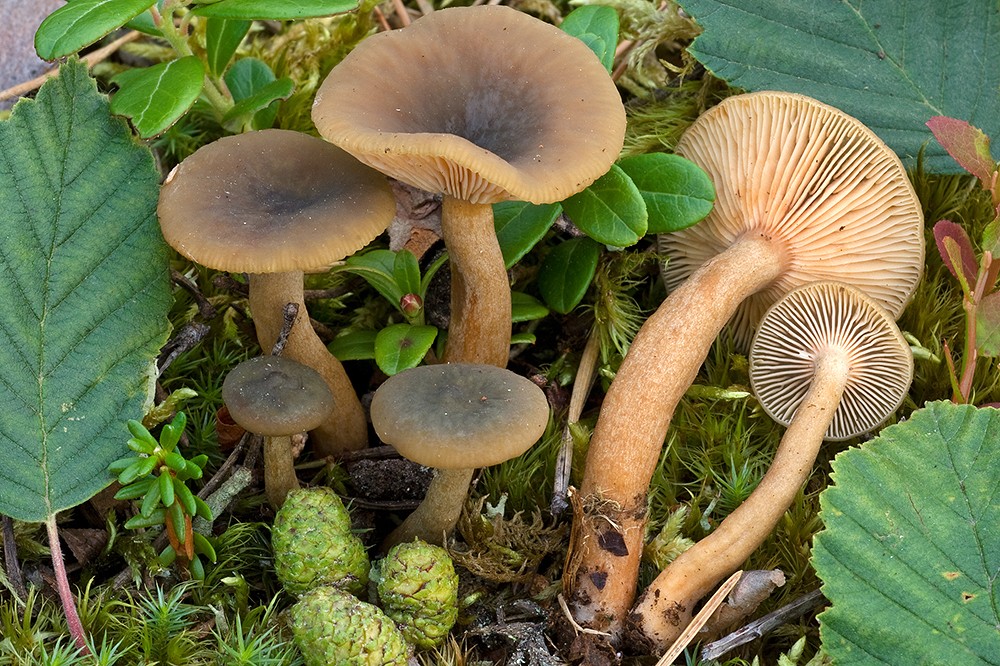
(480, 103)
(811, 318)
(276, 396)
(272, 201)
(792, 168)
(459, 415)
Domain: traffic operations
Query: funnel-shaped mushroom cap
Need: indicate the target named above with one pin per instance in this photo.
(272, 201)
(808, 322)
(480, 103)
(788, 167)
(275, 396)
(459, 415)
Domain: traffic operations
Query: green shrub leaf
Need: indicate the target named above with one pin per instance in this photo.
(155, 97)
(520, 225)
(255, 91)
(81, 23)
(402, 346)
(676, 191)
(222, 38)
(377, 267)
(988, 325)
(354, 346)
(611, 210)
(524, 307)
(84, 294)
(910, 553)
(597, 27)
(566, 272)
(269, 10)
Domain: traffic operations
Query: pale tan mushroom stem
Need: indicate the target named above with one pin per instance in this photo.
(665, 608)
(661, 364)
(279, 469)
(347, 428)
(479, 331)
(438, 513)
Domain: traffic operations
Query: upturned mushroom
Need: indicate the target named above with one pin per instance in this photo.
(455, 417)
(277, 397)
(274, 204)
(804, 192)
(481, 104)
(827, 362)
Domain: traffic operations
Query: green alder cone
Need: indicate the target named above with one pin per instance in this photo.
(333, 627)
(418, 588)
(313, 545)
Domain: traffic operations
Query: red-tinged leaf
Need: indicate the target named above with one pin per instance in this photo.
(966, 144)
(988, 325)
(961, 253)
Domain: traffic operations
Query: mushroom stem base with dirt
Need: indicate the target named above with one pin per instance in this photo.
(479, 331)
(660, 365)
(437, 515)
(665, 608)
(279, 469)
(347, 427)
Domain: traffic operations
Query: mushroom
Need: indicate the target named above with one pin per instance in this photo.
(481, 104)
(804, 192)
(275, 203)
(277, 397)
(455, 417)
(827, 362)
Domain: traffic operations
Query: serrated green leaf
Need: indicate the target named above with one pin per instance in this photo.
(597, 27)
(222, 38)
(611, 210)
(256, 92)
(520, 225)
(153, 98)
(402, 346)
(677, 192)
(78, 24)
(525, 307)
(268, 10)
(910, 553)
(376, 267)
(354, 346)
(892, 65)
(567, 272)
(988, 325)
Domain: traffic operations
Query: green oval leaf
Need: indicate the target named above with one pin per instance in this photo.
(525, 307)
(269, 10)
(377, 267)
(402, 346)
(611, 210)
(567, 271)
(597, 27)
(255, 91)
(222, 38)
(354, 346)
(677, 192)
(144, 22)
(520, 225)
(153, 98)
(81, 23)
(406, 271)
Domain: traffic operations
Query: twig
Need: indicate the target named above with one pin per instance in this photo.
(699, 620)
(187, 337)
(576, 626)
(290, 312)
(205, 307)
(11, 565)
(581, 389)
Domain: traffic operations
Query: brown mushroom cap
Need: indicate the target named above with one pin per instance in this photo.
(481, 103)
(275, 396)
(272, 201)
(459, 415)
(814, 318)
(787, 166)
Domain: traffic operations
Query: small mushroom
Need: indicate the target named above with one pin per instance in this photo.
(481, 104)
(828, 362)
(274, 204)
(277, 397)
(455, 417)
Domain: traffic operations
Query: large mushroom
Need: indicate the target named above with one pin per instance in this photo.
(455, 417)
(274, 204)
(804, 192)
(827, 362)
(481, 104)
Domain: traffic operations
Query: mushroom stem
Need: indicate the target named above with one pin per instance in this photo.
(279, 469)
(479, 331)
(665, 608)
(659, 367)
(347, 427)
(438, 514)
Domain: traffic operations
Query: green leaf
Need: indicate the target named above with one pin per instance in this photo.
(966, 144)
(525, 307)
(84, 294)
(677, 192)
(155, 97)
(354, 346)
(402, 346)
(144, 22)
(892, 65)
(269, 10)
(222, 38)
(522, 338)
(520, 225)
(406, 272)
(611, 210)
(255, 91)
(597, 27)
(988, 325)
(910, 554)
(377, 267)
(81, 23)
(567, 271)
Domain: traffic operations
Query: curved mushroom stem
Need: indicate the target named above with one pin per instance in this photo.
(279, 469)
(347, 427)
(659, 367)
(665, 608)
(479, 331)
(438, 514)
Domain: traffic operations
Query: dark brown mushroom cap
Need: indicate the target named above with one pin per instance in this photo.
(275, 396)
(790, 167)
(272, 201)
(481, 103)
(459, 415)
(813, 318)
